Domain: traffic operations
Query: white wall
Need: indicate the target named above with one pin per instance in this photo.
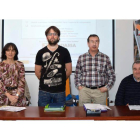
(123, 60)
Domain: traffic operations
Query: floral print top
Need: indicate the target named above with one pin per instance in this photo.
(12, 75)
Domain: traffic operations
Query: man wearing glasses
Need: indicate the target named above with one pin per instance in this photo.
(52, 67)
(94, 75)
(129, 90)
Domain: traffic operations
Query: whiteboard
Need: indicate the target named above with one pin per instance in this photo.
(29, 37)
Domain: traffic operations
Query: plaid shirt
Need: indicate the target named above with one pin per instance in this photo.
(94, 71)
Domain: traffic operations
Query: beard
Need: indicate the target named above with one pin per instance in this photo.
(53, 43)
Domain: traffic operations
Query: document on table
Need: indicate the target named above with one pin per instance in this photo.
(134, 107)
(12, 108)
(96, 107)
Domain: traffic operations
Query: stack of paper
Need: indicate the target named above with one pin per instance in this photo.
(54, 107)
(12, 108)
(134, 107)
(93, 107)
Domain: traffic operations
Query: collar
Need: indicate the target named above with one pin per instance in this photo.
(135, 79)
(95, 54)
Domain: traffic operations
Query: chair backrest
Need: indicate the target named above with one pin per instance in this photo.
(27, 93)
(67, 91)
(107, 99)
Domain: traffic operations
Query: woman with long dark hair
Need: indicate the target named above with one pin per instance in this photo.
(12, 77)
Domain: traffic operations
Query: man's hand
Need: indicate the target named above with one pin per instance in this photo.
(103, 89)
(68, 67)
(38, 71)
(80, 87)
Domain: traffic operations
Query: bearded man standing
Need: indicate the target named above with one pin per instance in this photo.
(52, 67)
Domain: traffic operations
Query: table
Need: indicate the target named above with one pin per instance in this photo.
(71, 113)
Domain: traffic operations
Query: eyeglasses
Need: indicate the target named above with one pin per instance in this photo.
(50, 34)
(91, 41)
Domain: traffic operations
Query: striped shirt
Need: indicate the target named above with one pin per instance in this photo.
(128, 92)
(94, 71)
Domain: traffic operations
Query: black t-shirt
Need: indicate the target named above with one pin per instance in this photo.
(53, 74)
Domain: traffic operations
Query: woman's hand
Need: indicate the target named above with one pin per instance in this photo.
(13, 99)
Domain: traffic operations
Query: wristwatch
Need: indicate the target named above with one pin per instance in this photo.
(17, 95)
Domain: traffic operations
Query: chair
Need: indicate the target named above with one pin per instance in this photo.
(107, 98)
(27, 93)
(67, 91)
(71, 100)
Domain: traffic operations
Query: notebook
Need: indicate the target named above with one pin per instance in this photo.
(55, 107)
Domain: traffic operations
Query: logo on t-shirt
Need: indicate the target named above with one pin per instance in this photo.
(53, 77)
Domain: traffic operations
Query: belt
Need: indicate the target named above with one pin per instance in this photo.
(95, 87)
(11, 88)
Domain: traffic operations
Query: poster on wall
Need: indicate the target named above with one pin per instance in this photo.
(136, 31)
